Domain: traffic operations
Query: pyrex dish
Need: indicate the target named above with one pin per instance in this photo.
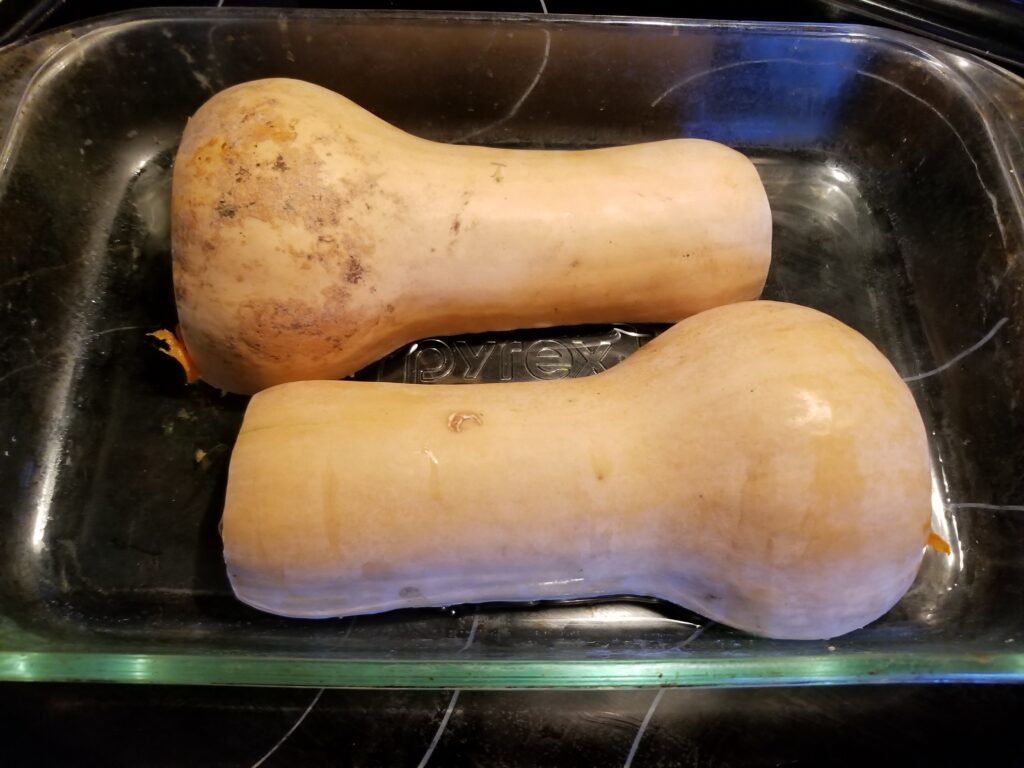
(893, 167)
(993, 29)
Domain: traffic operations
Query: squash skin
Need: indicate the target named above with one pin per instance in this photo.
(760, 463)
(310, 238)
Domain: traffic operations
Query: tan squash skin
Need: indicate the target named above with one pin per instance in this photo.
(760, 463)
(310, 238)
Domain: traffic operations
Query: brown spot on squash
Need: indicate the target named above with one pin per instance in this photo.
(354, 271)
(294, 328)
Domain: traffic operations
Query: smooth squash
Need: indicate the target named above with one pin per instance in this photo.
(310, 238)
(760, 463)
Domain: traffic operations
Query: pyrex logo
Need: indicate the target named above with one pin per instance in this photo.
(525, 355)
(435, 360)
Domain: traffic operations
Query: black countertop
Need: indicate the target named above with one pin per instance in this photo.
(114, 725)
(119, 725)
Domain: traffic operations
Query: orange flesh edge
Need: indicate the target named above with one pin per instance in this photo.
(938, 543)
(176, 349)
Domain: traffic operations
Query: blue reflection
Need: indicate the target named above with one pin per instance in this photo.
(766, 90)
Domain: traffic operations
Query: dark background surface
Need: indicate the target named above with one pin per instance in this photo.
(120, 725)
(935, 725)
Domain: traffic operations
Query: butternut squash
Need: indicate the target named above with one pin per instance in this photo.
(310, 238)
(760, 463)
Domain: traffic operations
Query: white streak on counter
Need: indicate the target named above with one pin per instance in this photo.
(519, 102)
(472, 633)
(39, 360)
(960, 356)
(695, 634)
(643, 728)
(440, 729)
(291, 730)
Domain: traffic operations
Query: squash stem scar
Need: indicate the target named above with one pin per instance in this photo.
(458, 420)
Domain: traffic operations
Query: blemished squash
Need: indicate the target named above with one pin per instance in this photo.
(760, 463)
(310, 238)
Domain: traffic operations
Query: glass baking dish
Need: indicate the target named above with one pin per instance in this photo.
(894, 169)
